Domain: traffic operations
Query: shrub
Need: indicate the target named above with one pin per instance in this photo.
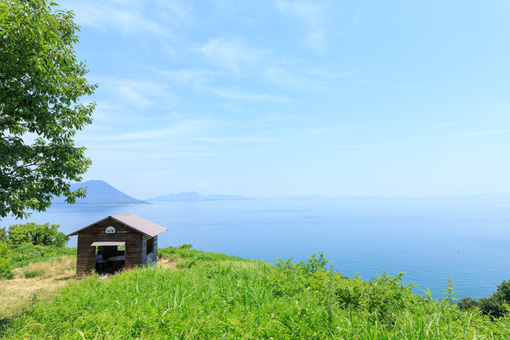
(503, 291)
(25, 254)
(22, 244)
(36, 234)
(493, 306)
(497, 305)
(381, 298)
(468, 303)
(166, 252)
(3, 235)
(5, 261)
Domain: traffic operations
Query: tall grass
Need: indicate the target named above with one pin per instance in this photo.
(12, 258)
(219, 297)
(35, 282)
(52, 267)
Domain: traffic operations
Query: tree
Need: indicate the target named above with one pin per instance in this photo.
(36, 234)
(40, 84)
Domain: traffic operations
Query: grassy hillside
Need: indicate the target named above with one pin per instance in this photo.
(196, 295)
(36, 281)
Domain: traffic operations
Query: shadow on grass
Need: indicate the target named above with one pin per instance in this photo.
(4, 325)
(67, 278)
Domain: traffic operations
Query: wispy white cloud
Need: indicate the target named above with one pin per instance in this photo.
(233, 94)
(480, 133)
(313, 15)
(161, 133)
(194, 76)
(127, 21)
(231, 53)
(140, 93)
(346, 147)
(322, 130)
(292, 80)
(230, 140)
(177, 13)
(132, 17)
(444, 125)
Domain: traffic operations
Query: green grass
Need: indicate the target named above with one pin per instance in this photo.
(220, 297)
(21, 256)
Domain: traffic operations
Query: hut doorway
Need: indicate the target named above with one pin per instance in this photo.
(110, 257)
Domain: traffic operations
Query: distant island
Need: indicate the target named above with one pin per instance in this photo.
(194, 196)
(102, 193)
(99, 192)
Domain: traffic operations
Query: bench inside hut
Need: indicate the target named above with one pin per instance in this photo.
(115, 242)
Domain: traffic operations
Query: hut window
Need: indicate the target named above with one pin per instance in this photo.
(150, 246)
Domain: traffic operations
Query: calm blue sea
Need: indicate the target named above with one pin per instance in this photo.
(429, 240)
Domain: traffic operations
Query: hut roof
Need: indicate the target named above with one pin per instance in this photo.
(132, 221)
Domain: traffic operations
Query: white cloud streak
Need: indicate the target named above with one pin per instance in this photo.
(232, 94)
(312, 15)
(138, 93)
(172, 131)
(232, 54)
(291, 80)
(193, 76)
(480, 133)
(230, 140)
(132, 17)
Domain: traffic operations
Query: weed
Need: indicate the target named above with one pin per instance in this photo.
(222, 297)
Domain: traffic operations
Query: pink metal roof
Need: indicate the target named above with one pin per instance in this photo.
(133, 221)
(141, 224)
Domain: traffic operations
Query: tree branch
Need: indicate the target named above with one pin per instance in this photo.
(24, 167)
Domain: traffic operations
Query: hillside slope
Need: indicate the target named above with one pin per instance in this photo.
(214, 296)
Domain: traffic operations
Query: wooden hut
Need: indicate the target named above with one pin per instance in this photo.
(108, 237)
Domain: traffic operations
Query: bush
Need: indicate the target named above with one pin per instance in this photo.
(28, 253)
(497, 305)
(5, 262)
(29, 243)
(36, 234)
(468, 303)
(503, 291)
(493, 306)
(185, 246)
(382, 298)
(3, 235)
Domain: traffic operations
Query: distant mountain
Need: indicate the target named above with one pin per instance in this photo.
(100, 192)
(195, 196)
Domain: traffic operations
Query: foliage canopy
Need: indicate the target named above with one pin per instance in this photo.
(40, 84)
(497, 305)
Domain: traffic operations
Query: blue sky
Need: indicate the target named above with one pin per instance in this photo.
(280, 97)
